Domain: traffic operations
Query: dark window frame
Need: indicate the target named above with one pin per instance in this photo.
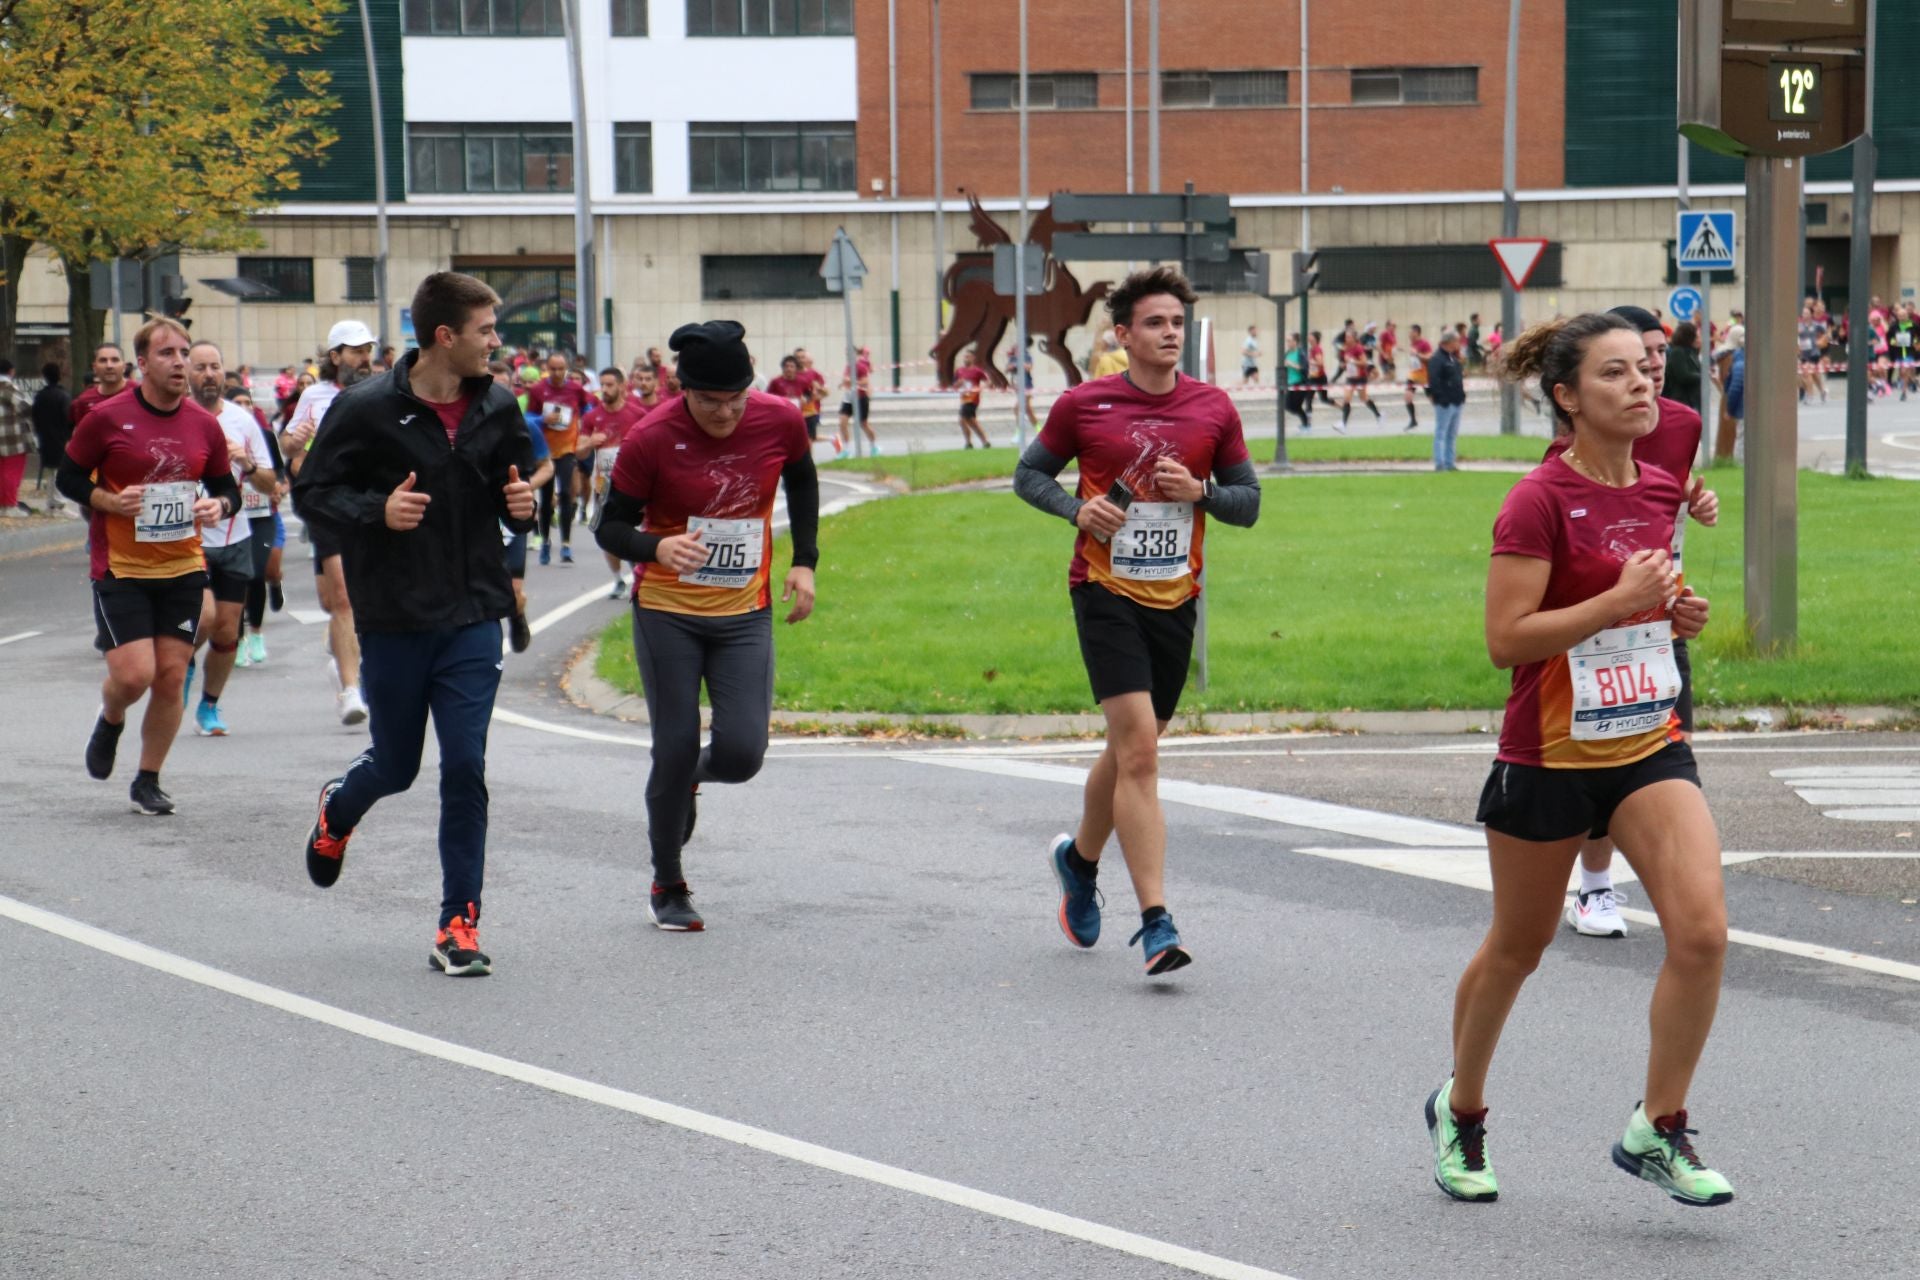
(716, 168)
(626, 168)
(1043, 90)
(1194, 90)
(1425, 268)
(494, 148)
(1426, 83)
(483, 18)
(627, 18)
(364, 270)
(282, 273)
(769, 19)
(761, 277)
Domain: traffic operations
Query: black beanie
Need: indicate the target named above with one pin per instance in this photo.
(713, 356)
(1639, 317)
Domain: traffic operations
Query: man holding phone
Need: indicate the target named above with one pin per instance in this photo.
(1158, 453)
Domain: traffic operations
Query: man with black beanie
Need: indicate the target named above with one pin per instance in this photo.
(691, 504)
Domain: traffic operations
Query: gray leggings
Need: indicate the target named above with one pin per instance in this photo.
(675, 652)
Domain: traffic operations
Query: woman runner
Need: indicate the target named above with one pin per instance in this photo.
(1583, 604)
(691, 503)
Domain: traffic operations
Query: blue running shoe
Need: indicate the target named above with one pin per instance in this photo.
(546, 553)
(1162, 946)
(1080, 899)
(186, 689)
(207, 722)
(566, 554)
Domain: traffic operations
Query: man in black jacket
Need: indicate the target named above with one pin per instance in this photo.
(411, 473)
(51, 425)
(1447, 388)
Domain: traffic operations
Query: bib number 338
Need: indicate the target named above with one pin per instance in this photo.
(1625, 681)
(733, 552)
(1154, 543)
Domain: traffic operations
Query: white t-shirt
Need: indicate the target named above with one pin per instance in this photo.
(313, 405)
(238, 426)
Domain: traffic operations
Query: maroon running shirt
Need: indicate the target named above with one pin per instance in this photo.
(1672, 445)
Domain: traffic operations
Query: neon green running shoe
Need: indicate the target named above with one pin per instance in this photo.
(1666, 1158)
(1460, 1164)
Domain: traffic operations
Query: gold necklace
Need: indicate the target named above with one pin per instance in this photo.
(1580, 466)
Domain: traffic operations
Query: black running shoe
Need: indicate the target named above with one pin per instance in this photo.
(671, 909)
(326, 852)
(693, 815)
(102, 746)
(149, 799)
(456, 949)
(518, 633)
(276, 598)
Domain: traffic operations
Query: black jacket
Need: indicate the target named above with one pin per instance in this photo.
(1445, 382)
(50, 422)
(450, 571)
(1683, 377)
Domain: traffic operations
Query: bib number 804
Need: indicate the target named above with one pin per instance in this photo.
(1624, 685)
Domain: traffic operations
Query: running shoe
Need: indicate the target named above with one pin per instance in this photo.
(243, 655)
(1596, 913)
(671, 909)
(1162, 947)
(1666, 1158)
(546, 554)
(326, 852)
(353, 708)
(102, 746)
(519, 635)
(276, 598)
(618, 589)
(186, 686)
(257, 649)
(566, 554)
(1079, 898)
(149, 799)
(1460, 1164)
(456, 948)
(207, 722)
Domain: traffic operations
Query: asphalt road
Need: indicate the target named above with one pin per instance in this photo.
(882, 1060)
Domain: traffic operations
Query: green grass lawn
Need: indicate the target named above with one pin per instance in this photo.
(1354, 591)
(938, 469)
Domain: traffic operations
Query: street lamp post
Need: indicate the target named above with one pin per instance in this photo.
(379, 181)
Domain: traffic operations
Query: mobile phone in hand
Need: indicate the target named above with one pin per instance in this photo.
(1120, 496)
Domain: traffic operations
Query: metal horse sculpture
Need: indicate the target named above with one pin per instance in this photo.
(981, 316)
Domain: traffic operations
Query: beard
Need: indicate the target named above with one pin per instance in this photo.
(347, 375)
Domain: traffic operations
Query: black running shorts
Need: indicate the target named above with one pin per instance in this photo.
(1529, 802)
(230, 571)
(1131, 648)
(969, 410)
(813, 426)
(126, 610)
(324, 548)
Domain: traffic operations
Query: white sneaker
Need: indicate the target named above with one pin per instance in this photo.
(1597, 914)
(353, 708)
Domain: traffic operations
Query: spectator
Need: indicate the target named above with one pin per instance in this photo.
(16, 441)
(283, 386)
(1108, 356)
(1447, 388)
(1683, 366)
(51, 425)
(1471, 333)
(1733, 409)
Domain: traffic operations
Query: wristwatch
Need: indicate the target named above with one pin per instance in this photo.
(1206, 490)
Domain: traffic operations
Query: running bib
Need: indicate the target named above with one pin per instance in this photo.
(166, 512)
(564, 415)
(1154, 543)
(1625, 681)
(733, 552)
(254, 502)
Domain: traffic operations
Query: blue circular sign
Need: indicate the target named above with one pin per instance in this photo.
(1684, 303)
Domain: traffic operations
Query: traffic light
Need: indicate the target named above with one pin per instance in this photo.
(1305, 273)
(174, 301)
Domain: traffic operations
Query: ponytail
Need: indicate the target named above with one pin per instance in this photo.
(1551, 352)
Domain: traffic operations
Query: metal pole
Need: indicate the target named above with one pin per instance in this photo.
(939, 187)
(1153, 94)
(893, 178)
(1128, 24)
(1306, 212)
(240, 334)
(1280, 459)
(1772, 520)
(584, 300)
(1682, 202)
(114, 264)
(1860, 274)
(853, 362)
(1020, 376)
(1510, 216)
(379, 182)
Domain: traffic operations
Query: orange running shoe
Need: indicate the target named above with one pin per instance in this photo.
(456, 948)
(326, 851)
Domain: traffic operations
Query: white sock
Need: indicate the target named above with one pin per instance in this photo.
(1593, 881)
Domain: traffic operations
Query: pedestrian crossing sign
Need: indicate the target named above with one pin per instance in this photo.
(1705, 241)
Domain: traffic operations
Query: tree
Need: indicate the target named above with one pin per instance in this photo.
(128, 127)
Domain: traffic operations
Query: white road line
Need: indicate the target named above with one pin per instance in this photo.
(1895, 442)
(568, 609)
(24, 635)
(1292, 810)
(1848, 774)
(667, 1113)
(309, 617)
(1882, 795)
(1898, 814)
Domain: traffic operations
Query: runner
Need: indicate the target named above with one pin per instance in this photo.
(413, 474)
(1582, 601)
(1387, 346)
(557, 403)
(692, 505)
(1250, 358)
(1317, 369)
(1416, 372)
(1904, 338)
(1020, 374)
(151, 447)
(227, 543)
(970, 378)
(790, 386)
(267, 536)
(349, 357)
(856, 388)
(605, 429)
(1356, 371)
(519, 631)
(816, 392)
(1299, 398)
(1158, 452)
(1671, 446)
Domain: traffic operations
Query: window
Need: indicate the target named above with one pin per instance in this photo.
(776, 277)
(1415, 86)
(769, 17)
(633, 158)
(360, 280)
(629, 17)
(1223, 88)
(488, 17)
(1421, 268)
(292, 278)
(1047, 91)
(447, 158)
(771, 157)
(1221, 277)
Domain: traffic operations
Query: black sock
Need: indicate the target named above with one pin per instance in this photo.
(111, 727)
(1376, 408)
(1081, 867)
(147, 775)
(1346, 411)
(1151, 914)
(211, 699)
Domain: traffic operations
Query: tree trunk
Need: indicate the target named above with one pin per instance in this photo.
(13, 260)
(85, 326)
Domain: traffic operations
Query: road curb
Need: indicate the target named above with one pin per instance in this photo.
(41, 534)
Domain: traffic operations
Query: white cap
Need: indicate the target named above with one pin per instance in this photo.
(349, 333)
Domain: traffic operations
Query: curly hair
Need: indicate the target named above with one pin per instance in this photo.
(1552, 353)
(1145, 284)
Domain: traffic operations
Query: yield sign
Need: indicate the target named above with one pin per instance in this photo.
(1518, 257)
